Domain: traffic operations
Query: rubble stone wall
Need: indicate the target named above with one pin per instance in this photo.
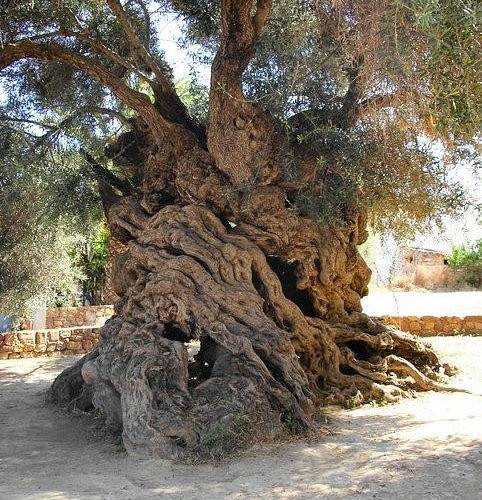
(425, 326)
(82, 339)
(65, 317)
(50, 342)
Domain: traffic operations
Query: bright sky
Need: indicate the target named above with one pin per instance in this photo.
(169, 32)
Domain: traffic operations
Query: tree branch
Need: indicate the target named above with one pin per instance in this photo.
(102, 50)
(54, 52)
(96, 45)
(239, 33)
(108, 197)
(376, 103)
(263, 8)
(167, 101)
(238, 130)
(353, 94)
(106, 176)
(134, 40)
(107, 111)
(29, 122)
(65, 123)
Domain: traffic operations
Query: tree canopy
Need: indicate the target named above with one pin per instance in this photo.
(384, 93)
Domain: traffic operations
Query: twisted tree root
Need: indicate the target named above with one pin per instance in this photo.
(262, 364)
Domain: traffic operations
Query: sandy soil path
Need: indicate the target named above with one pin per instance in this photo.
(429, 447)
(386, 302)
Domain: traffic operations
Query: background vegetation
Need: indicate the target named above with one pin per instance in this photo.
(468, 259)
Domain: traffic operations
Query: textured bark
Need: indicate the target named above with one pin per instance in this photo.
(262, 362)
(115, 249)
(236, 316)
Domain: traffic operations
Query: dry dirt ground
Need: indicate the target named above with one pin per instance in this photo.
(428, 447)
(380, 302)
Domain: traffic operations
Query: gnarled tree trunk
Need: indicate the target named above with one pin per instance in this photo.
(236, 316)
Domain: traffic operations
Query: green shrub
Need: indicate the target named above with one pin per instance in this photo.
(469, 260)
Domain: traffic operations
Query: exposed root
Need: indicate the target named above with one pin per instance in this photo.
(70, 389)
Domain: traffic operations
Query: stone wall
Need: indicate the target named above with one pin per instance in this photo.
(426, 326)
(51, 342)
(78, 340)
(65, 317)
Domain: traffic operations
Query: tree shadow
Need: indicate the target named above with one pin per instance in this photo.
(423, 448)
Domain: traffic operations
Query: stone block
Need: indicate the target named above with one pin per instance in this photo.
(90, 318)
(87, 345)
(54, 336)
(476, 319)
(74, 345)
(414, 326)
(26, 354)
(9, 338)
(4, 355)
(14, 355)
(41, 337)
(448, 328)
(26, 337)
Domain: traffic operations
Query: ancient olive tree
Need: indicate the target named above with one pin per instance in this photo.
(242, 230)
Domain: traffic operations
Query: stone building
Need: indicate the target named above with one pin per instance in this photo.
(423, 268)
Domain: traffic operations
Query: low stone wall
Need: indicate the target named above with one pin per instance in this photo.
(78, 340)
(64, 317)
(425, 326)
(56, 342)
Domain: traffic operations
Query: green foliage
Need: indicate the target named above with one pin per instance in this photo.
(409, 68)
(451, 30)
(89, 255)
(46, 205)
(232, 434)
(385, 94)
(469, 260)
(195, 97)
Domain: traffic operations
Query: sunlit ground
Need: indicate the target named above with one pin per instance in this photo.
(428, 447)
(382, 302)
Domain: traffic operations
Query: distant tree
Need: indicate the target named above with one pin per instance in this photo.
(46, 205)
(242, 230)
